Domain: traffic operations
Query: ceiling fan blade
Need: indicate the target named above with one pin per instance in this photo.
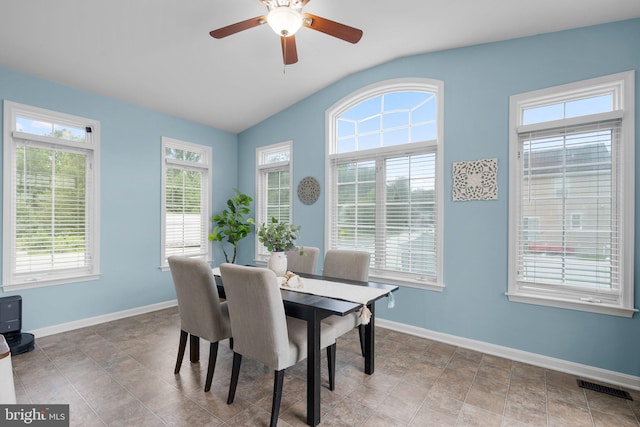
(289, 51)
(332, 28)
(237, 27)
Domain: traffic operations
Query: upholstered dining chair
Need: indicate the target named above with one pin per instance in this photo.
(202, 315)
(347, 265)
(304, 262)
(262, 331)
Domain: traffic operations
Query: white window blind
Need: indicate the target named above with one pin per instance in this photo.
(51, 198)
(186, 200)
(410, 219)
(571, 172)
(354, 209)
(387, 206)
(51, 223)
(278, 200)
(185, 228)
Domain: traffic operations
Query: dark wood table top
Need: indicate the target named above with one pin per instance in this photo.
(327, 305)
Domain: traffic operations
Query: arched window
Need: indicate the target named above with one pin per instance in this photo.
(384, 185)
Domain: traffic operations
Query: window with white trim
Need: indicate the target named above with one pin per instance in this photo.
(186, 200)
(51, 198)
(572, 168)
(384, 179)
(273, 187)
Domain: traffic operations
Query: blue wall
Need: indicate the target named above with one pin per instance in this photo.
(478, 81)
(130, 179)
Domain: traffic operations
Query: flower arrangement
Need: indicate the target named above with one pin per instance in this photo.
(278, 236)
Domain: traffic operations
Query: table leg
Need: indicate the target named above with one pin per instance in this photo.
(369, 341)
(313, 370)
(194, 348)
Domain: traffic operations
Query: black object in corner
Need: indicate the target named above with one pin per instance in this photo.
(11, 325)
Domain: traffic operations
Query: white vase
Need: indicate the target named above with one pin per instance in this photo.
(278, 263)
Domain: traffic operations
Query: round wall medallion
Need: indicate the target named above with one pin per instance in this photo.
(308, 190)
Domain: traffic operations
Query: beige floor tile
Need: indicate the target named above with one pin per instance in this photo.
(496, 362)
(350, 411)
(474, 416)
(571, 395)
(254, 417)
(564, 414)
(296, 415)
(429, 417)
(121, 374)
(526, 411)
(403, 401)
(455, 383)
(187, 413)
(382, 420)
(602, 419)
(608, 404)
(495, 374)
(487, 398)
(442, 403)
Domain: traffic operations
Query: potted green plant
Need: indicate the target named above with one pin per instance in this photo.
(232, 224)
(278, 237)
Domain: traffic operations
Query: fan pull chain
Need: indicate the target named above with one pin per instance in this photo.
(284, 57)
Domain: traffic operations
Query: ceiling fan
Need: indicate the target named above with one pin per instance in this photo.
(285, 17)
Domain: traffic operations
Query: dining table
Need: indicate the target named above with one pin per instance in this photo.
(313, 309)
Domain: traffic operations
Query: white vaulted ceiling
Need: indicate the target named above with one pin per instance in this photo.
(158, 53)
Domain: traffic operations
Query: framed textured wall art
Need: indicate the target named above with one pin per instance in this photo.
(475, 180)
(308, 190)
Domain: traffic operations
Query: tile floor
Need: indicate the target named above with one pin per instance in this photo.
(121, 374)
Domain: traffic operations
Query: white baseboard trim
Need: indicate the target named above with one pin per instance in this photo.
(83, 323)
(588, 372)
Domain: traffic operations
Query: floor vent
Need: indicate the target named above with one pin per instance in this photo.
(604, 389)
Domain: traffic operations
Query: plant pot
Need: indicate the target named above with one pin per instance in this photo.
(278, 263)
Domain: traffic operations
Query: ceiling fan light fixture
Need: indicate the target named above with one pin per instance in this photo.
(284, 20)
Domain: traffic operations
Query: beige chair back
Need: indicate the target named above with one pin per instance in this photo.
(348, 265)
(201, 313)
(303, 263)
(257, 315)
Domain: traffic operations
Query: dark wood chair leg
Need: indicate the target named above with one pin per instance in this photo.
(213, 355)
(194, 348)
(235, 372)
(331, 364)
(181, 348)
(231, 343)
(278, 381)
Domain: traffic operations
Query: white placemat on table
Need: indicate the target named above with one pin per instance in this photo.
(337, 290)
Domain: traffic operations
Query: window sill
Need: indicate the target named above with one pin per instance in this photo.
(599, 308)
(430, 286)
(49, 282)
